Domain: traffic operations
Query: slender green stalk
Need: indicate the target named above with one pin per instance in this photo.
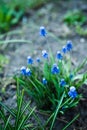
(70, 122)
(57, 110)
(11, 33)
(8, 109)
(7, 122)
(14, 41)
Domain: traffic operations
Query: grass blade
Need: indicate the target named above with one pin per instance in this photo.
(8, 109)
(57, 110)
(25, 118)
(7, 123)
(70, 122)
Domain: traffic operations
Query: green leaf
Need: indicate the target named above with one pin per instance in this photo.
(8, 109)
(24, 109)
(80, 66)
(85, 82)
(65, 128)
(57, 110)
(25, 118)
(78, 77)
(7, 123)
(28, 126)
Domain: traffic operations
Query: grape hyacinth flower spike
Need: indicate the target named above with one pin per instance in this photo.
(29, 60)
(23, 70)
(38, 59)
(43, 31)
(72, 92)
(55, 69)
(71, 76)
(62, 82)
(45, 54)
(28, 72)
(44, 81)
(64, 49)
(69, 46)
(59, 55)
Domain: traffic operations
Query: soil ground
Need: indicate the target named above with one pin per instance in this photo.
(51, 16)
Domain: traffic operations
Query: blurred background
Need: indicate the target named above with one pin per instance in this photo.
(20, 21)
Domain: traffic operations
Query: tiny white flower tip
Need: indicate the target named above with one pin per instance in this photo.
(42, 27)
(28, 57)
(44, 51)
(54, 64)
(58, 52)
(23, 67)
(27, 70)
(72, 88)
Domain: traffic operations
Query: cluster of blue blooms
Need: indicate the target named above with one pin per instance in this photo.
(45, 54)
(25, 71)
(54, 69)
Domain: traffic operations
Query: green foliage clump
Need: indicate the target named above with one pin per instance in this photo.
(8, 17)
(19, 115)
(53, 85)
(11, 11)
(74, 18)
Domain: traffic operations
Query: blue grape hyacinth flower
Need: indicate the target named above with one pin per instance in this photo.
(45, 54)
(23, 70)
(59, 55)
(64, 49)
(28, 72)
(55, 69)
(44, 81)
(72, 92)
(69, 46)
(38, 59)
(62, 82)
(71, 76)
(29, 60)
(43, 31)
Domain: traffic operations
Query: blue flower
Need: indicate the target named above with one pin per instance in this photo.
(44, 54)
(44, 81)
(29, 60)
(71, 76)
(23, 70)
(38, 59)
(55, 69)
(28, 72)
(59, 55)
(69, 46)
(64, 49)
(62, 82)
(72, 92)
(43, 31)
